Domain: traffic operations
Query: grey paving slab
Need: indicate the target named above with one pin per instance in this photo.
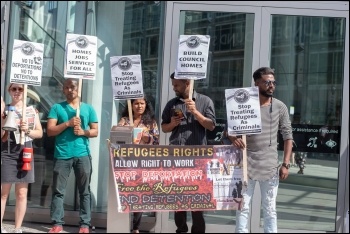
(30, 227)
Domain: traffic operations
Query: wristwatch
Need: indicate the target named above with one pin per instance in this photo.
(286, 165)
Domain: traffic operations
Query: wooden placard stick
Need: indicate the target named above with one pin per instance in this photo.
(131, 118)
(191, 89)
(24, 111)
(245, 162)
(79, 96)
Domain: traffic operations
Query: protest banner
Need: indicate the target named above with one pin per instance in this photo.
(26, 68)
(175, 178)
(126, 74)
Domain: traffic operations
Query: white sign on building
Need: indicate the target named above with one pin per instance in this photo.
(27, 63)
(243, 111)
(80, 58)
(126, 73)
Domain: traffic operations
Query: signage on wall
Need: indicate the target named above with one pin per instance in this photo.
(192, 57)
(314, 138)
(27, 63)
(126, 73)
(214, 137)
(243, 111)
(80, 58)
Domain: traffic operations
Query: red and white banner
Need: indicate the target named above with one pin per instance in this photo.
(175, 178)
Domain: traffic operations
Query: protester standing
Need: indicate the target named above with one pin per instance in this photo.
(188, 120)
(72, 150)
(263, 165)
(143, 117)
(12, 158)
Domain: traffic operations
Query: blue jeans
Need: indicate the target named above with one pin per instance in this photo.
(61, 170)
(268, 191)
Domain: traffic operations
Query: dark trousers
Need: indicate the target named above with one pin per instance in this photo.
(198, 223)
(61, 169)
(136, 220)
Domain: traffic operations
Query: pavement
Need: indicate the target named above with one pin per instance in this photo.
(30, 227)
(298, 202)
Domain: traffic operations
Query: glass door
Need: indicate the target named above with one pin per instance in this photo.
(306, 44)
(233, 53)
(307, 48)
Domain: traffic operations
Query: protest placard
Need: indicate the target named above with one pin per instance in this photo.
(243, 111)
(192, 57)
(126, 73)
(80, 57)
(174, 178)
(27, 62)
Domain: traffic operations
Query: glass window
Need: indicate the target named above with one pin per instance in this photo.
(48, 22)
(43, 22)
(308, 56)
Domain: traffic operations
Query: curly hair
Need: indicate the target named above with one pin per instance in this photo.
(147, 117)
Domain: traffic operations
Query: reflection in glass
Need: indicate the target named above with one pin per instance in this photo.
(308, 56)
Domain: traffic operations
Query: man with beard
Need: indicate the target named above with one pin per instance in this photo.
(72, 150)
(188, 120)
(263, 166)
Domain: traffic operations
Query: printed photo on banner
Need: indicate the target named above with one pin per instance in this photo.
(30, 118)
(243, 111)
(173, 178)
(192, 57)
(80, 57)
(126, 74)
(27, 63)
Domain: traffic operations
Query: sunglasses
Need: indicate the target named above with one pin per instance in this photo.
(267, 83)
(14, 89)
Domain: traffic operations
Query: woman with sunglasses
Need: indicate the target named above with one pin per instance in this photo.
(12, 159)
(143, 117)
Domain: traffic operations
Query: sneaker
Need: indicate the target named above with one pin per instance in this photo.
(84, 230)
(56, 229)
(18, 230)
(3, 230)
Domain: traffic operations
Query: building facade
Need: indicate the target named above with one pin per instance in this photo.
(306, 42)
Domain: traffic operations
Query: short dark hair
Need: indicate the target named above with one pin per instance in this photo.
(172, 76)
(263, 71)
